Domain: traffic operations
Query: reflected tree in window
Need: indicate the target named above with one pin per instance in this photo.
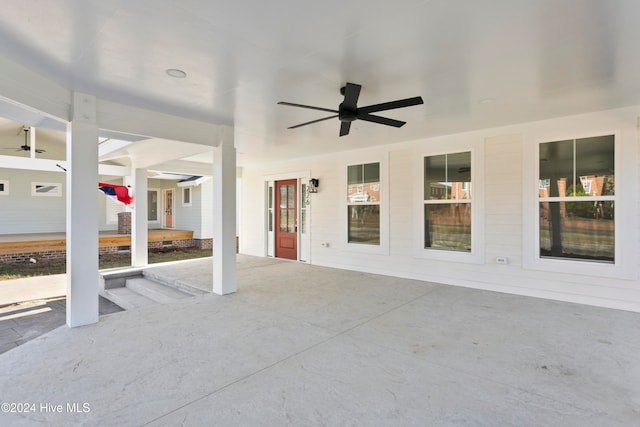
(577, 204)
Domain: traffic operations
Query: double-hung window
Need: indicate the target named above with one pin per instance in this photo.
(576, 192)
(363, 203)
(447, 202)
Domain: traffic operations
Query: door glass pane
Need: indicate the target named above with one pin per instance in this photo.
(448, 226)
(594, 166)
(283, 196)
(578, 230)
(291, 196)
(270, 197)
(303, 221)
(283, 220)
(270, 220)
(291, 218)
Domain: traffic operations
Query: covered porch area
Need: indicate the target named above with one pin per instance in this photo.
(306, 345)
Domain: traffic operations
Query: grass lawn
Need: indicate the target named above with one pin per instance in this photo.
(44, 268)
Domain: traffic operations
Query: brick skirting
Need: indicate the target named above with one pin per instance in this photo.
(50, 255)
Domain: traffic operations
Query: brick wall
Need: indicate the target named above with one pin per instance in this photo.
(47, 255)
(124, 222)
(25, 257)
(203, 243)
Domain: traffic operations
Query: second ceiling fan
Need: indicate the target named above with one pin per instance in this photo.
(348, 110)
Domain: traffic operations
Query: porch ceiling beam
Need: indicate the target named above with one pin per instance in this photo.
(15, 162)
(26, 163)
(137, 121)
(30, 98)
(183, 167)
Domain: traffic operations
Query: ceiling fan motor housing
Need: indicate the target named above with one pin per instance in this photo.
(346, 115)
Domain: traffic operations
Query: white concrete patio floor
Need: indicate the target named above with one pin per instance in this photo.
(304, 345)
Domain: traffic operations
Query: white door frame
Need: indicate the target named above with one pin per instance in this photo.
(304, 239)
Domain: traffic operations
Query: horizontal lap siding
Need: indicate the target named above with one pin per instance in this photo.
(20, 212)
(503, 197)
(401, 189)
(505, 162)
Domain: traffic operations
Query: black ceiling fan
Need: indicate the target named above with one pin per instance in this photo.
(26, 146)
(348, 110)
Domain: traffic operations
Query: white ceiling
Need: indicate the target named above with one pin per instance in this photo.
(534, 59)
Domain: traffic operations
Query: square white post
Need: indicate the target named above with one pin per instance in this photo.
(82, 212)
(139, 224)
(224, 214)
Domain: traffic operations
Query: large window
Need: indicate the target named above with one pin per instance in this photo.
(363, 203)
(576, 190)
(447, 202)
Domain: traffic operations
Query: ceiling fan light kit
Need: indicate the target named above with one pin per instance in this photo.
(348, 110)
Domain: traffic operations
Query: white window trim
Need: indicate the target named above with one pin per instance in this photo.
(383, 247)
(5, 191)
(476, 256)
(56, 194)
(625, 211)
(190, 190)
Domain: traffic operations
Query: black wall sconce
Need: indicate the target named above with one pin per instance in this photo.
(313, 185)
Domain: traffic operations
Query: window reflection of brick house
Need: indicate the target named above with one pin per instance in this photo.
(457, 213)
(360, 193)
(592, 185)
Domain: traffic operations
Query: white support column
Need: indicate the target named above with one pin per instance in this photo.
(224, 214)
(139, 224)
(82, 212)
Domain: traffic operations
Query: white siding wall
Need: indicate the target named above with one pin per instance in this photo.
(506, 201)
(197, 217)
(188, 217)
(20, 212)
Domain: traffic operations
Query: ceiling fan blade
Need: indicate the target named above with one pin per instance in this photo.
(307, 106)
(380, 120)
(39, 150)
(351, 95)
(401, 103)
(313, 121)
(344, 128)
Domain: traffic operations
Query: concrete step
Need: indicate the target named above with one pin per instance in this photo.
(126, 298)
(172, 283)
(155, 291)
